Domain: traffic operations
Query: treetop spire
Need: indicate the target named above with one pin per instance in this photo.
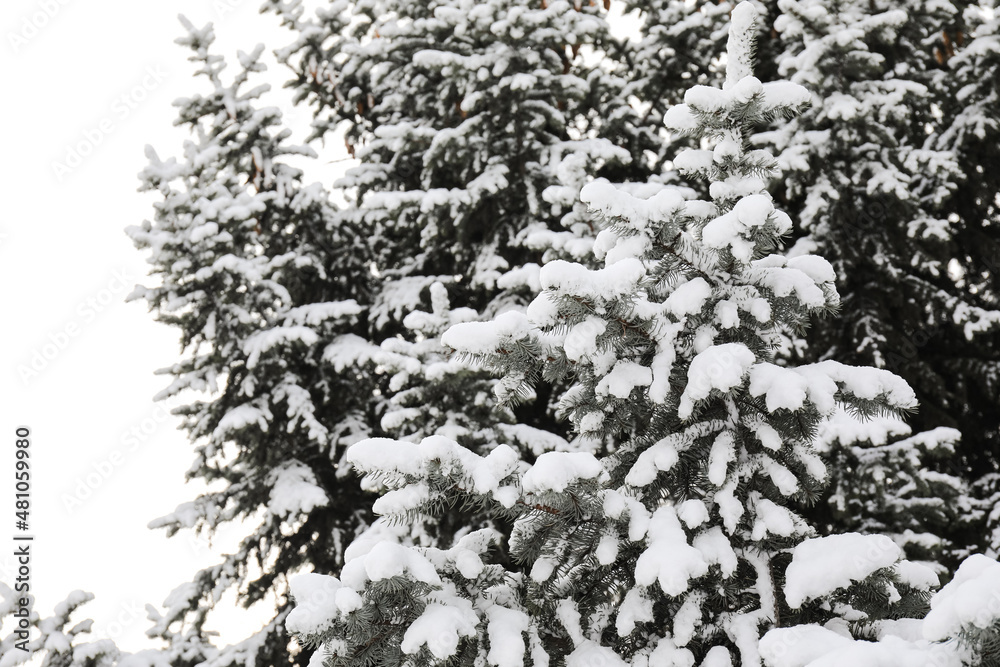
(740, 47)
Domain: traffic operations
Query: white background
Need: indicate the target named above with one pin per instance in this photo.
(62, 248)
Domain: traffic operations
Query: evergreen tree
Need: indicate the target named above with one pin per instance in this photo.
(883, 175)
(683, 545)
(970, 103)
(476, 124)
(311, 327)
(880, 176)
(269, 293)
(886, 481)
(59, 641)
(986, 517)
(464, 197)
(677, 47)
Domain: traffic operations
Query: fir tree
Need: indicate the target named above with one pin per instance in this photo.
(269, 294)
(60, 642)
(883, 175)
(884, 480)
(879, 177)
(970, 103)
(674, 549)
(311, 327)
(476, 125)
(677, 47)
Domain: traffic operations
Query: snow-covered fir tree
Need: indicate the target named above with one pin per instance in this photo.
(269, 294)
(59, 641)
(886, 480)
(677, 47)
(683, 546)
(476, 124)
(883, 176)
(464, 197)
(685, 532)
(310, 327)
(970, 130)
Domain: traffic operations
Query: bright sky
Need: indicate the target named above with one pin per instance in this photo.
(96, 77)
(86, 85)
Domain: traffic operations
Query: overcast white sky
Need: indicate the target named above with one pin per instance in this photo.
(104, 69)
(78, 362)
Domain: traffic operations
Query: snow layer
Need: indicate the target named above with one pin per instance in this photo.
(733, 229)
(821, 565)
(506, 639)
(972, 598)
(295, 492)
(386, 560)
(623, 378)
(314, 314)
(800, 645)
(815, 646)
(487, 337)
(820, 383)
(719, 367)
(315, 603)
(668, 558)
(846, 429)
(635, 608)
(263, 341)
(589, 653)
(611, 202)
(688, 298)
(612, 282)
(740, 46)
(440, 627)
(395, 457)
(555, 471)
